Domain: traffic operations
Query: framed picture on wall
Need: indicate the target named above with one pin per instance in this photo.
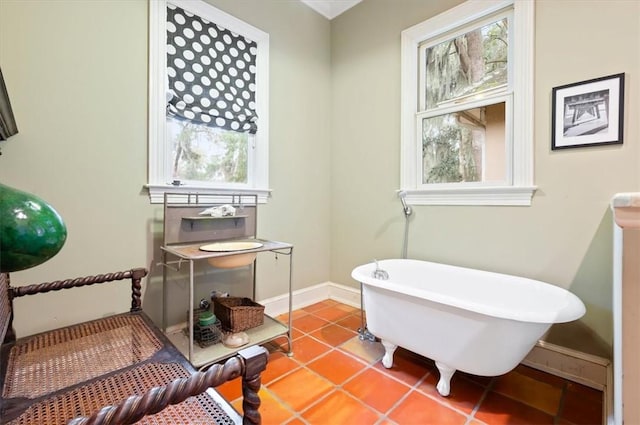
(588, 113)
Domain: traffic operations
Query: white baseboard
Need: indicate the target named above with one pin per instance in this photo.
(279, 304)
(344, 294)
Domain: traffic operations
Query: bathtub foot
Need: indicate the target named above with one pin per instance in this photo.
(444, 384)
(389, 349)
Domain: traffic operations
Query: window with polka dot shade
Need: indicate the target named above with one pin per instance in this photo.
(208, 101)
(211, 73)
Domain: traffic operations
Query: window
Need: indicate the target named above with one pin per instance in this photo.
(467, 102)
(208, 97)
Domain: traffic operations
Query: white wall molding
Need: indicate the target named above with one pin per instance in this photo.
(279, 304)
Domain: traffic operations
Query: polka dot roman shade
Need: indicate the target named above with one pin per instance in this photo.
(211, 73)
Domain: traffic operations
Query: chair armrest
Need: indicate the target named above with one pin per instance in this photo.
(135, 275)
(13, 292)
(248, 363)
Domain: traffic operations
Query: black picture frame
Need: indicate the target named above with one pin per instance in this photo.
(588, 113)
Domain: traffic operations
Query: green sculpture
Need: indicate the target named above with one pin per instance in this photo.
(31, 231)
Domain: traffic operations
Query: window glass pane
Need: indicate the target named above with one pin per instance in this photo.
(469, 64)
(465, 146)
(207, 154)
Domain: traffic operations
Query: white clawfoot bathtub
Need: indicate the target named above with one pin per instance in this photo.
(475, 321)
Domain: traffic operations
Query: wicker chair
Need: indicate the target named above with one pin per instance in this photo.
(114, 370)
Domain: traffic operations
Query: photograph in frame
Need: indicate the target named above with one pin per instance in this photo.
(588, 113)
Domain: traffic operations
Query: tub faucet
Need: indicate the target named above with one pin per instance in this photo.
(405, 208)
(378, 273)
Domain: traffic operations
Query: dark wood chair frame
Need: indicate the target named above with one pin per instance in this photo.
(248, 364)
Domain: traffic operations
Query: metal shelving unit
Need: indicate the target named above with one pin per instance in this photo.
(184, 233)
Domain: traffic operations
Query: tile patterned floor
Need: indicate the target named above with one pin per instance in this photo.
(334, 378)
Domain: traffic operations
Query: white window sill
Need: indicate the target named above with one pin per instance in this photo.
(157, 191)
(495, 195)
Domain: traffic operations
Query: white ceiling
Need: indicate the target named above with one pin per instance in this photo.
(330, 8)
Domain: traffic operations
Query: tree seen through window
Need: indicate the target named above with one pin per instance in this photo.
(459, 70)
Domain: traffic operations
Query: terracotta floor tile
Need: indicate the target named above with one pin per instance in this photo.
(300, 388)
(271, 410)
(340, 408)
(353, 322)
(497, 409)
(320, 306)
(541, 376)
(336, 366)
(309, 323)
(376, 389)
(333, 335)
(480, 380)
(404, 355)
(585, 392)
(335, 313)
(335, 378)
(284, 318)
(406, 369)
(279, 365)
(278, 344)
(418, 409)
(527, 390)
(282, 343)
(582, 405)
(414, 357)
(295, 334)
(306, 349)
(464, 394)
(231, 390)
(350, 308)
(368, 351)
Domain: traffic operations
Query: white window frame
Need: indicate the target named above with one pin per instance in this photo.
(159, 150)
(518, 188)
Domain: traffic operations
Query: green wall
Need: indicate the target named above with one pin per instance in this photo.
(77, 75)
(565, 237)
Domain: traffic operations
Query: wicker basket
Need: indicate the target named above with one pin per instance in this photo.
(238, 314)
(205, 335)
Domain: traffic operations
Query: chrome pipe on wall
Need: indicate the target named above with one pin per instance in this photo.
(407, 210)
